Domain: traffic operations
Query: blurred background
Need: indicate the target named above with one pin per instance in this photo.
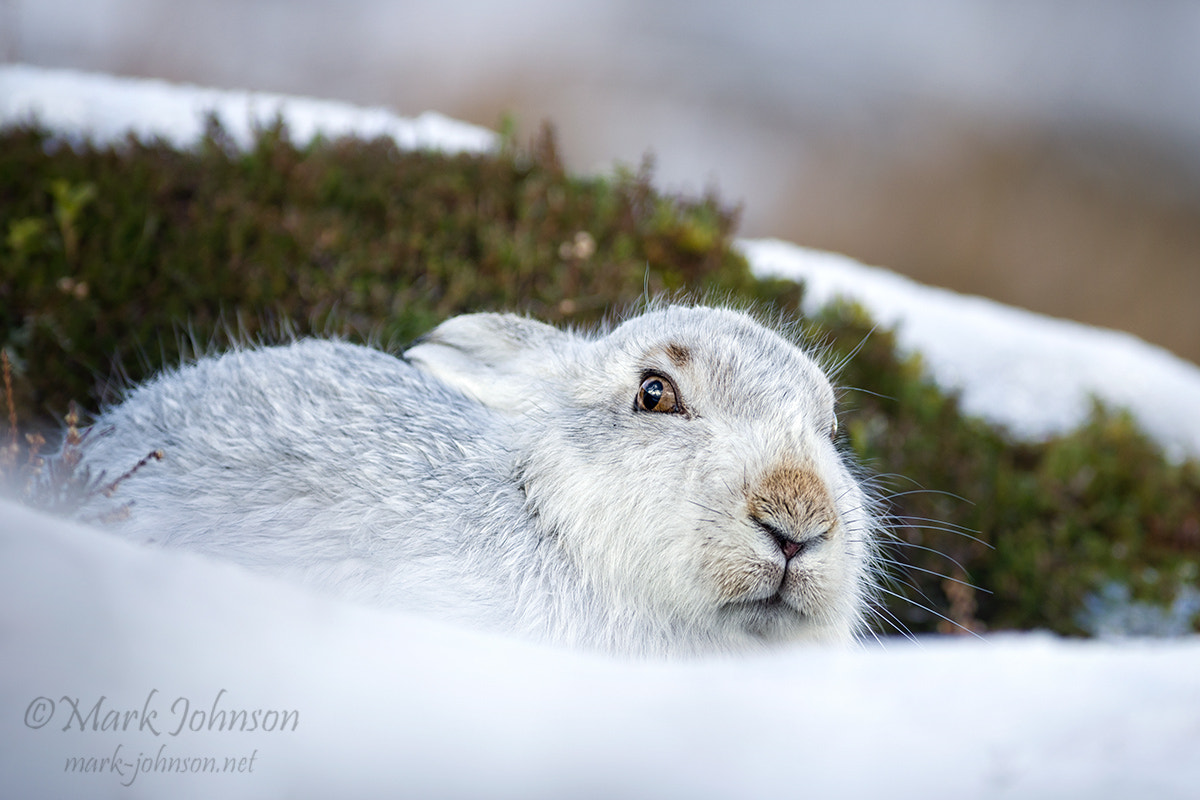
(1045, 153)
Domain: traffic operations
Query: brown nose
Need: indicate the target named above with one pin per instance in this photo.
(792, 506)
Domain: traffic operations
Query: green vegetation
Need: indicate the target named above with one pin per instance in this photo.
(122, 259)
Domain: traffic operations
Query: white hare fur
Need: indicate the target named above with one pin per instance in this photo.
(503, 473)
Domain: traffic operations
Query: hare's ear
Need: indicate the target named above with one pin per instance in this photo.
(501, 360)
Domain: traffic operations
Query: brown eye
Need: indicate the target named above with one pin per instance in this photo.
(657, 394)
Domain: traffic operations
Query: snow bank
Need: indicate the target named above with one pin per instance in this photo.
(1033, 374)
(363, 703)
(106, 109)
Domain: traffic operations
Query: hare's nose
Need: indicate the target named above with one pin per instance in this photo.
(788, 544)
(792, 506)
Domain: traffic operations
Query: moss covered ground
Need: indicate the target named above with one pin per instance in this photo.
(117, 260)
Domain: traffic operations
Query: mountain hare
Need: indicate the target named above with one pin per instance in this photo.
(670, 486)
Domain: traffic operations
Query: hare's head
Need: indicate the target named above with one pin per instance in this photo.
(686, 460)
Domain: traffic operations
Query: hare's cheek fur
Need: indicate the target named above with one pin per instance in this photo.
(694, 522)
(614, 504)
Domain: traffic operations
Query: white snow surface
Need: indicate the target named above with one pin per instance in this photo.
(107, 109)
(393, 706)
(386, 704)
(1035, 375)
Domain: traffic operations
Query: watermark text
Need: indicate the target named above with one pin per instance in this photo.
(154, 716)
(126, 769)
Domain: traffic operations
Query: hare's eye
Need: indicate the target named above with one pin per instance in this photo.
(657, 394)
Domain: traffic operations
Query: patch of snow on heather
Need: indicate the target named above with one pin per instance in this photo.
(106, 108)
(1112, 613)
(1035, 375)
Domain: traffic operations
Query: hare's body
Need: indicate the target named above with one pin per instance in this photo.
(668, 487)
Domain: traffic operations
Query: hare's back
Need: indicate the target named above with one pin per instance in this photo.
(279, 432)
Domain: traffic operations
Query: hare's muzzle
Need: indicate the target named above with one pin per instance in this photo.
(792, 505)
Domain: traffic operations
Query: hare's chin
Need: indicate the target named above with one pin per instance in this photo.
(774, 607)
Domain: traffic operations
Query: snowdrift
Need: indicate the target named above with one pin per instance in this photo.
(147, 658)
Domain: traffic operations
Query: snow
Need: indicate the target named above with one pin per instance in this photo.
(396, 706)
(1033, 374)
(106, 109)
(1112, 612)
(392, 705)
